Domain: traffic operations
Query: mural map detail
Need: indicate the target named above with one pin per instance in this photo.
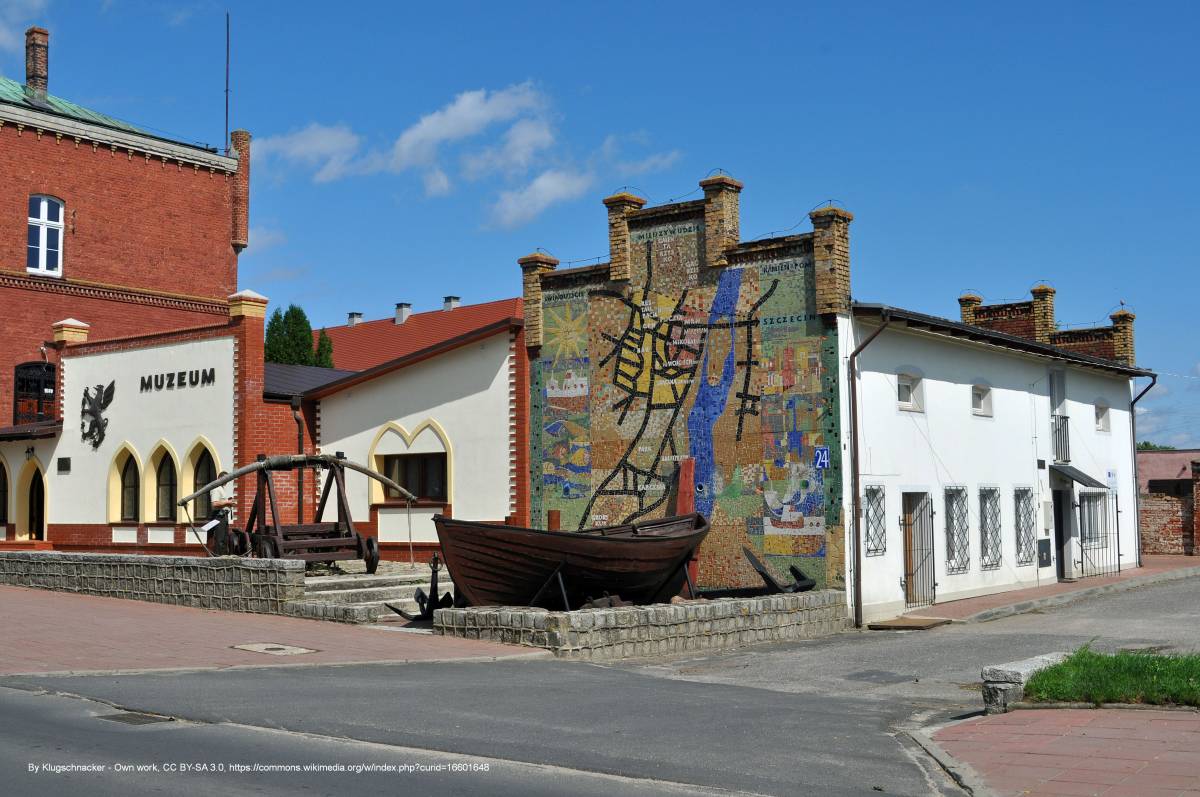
(723, 365)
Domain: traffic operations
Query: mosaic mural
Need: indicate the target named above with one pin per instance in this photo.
(724, 365)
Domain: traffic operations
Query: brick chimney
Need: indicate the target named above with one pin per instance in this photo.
(721, 217)
(403, 311)
(533, 266)
(239, 141)
(37, 62)
(353, 319)
(966, 307)
(1122, 322)
(831, 258)
(450, 303)
(1044, 323)
(619, 207)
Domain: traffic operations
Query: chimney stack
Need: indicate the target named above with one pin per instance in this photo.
(619, 205)
(1044, 322)
(1122, 322)
(37, 61)
(450, 302)
(966, 306)
(403, 311)
(721, 217)
(353, 319)
(239, 141)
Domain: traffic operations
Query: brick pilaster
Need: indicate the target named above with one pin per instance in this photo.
(966, 307)
(619, 207)
(722, 217)
(1122, 322)
(533, 266)
(247, 311)
(1044, 322)
(831, 258)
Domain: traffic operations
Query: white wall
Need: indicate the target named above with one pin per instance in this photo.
(948, 445)
(463, 393)
(178, 416)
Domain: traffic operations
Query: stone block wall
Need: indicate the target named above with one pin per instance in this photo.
(635, 631)
(228, 583)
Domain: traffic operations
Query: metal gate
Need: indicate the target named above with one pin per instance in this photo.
(1099, 538)
(916, 521)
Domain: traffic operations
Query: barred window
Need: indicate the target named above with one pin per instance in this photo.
(1025, 517)
(1093, 519)
(876, 523)
(990, 553)
(958, 545)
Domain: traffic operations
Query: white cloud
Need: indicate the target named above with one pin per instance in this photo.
(265, 237)
(611, 153)
(468, 114)
(15, 17)
(330, 150)
(521, 205)
(522, 142)
(437, 182)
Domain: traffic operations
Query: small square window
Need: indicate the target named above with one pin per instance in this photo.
(981, 400)
(1102, 422)
(908, 392)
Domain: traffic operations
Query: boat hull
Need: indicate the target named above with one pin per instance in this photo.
(497, 565)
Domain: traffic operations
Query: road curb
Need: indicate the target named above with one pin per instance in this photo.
(1067, 597)
(965, 776)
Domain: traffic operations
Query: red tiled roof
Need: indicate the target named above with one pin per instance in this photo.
(371, 343)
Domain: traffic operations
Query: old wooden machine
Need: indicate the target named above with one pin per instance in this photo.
(265, 536)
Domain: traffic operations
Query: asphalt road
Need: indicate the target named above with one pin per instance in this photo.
(819, 717)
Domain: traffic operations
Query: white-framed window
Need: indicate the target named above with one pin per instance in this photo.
(981, 400)
(1102, 421)
(908, 393)
(44, 244)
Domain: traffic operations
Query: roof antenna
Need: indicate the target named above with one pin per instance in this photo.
(226, 82)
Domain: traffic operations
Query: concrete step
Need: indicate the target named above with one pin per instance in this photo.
(374, 594)
(314, 584)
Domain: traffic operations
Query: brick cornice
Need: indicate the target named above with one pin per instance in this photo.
(112, 293)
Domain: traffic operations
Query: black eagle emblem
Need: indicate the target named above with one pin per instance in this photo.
(92, 422)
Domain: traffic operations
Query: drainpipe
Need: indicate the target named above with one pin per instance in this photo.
(886, 317)
(299, 450)
(1137, 490)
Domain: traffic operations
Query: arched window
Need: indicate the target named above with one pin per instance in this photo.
(129, 491)
(165, 481)
(206, 471)
(43, 255)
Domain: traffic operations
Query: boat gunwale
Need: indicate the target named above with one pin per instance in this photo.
(592, 534)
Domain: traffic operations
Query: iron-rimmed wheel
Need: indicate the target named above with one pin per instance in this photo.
(264, 548)
(371, 558)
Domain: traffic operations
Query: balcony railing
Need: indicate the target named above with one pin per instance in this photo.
(1060, 429)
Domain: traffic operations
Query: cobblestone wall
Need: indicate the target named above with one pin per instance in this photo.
(229, 583)
(634, 631)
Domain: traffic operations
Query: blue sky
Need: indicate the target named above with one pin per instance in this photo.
(406, 151)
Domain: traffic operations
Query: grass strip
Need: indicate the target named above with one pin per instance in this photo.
(1125, 677)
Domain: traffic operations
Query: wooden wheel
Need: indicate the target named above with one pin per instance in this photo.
(371, 558)
(265, 548)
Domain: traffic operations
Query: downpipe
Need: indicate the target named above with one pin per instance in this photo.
(299, 450)
(1137, 491)
(855, 476)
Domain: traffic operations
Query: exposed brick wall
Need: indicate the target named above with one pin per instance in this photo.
(1096, 341)
(272, 431)
(1015, 318)
(131, 220)
(1168, 524)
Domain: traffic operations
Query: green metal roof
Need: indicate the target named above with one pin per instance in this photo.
(13, 93)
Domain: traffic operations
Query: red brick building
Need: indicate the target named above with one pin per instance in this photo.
(105, 222)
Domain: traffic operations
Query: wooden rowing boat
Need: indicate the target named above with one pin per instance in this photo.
(498, 565)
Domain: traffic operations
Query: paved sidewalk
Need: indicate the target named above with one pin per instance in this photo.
(45, 631)
(1110, 752)
(1154, 570)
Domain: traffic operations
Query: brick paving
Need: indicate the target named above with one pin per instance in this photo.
(967, 607)
(1110, 752)
(45, 631)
